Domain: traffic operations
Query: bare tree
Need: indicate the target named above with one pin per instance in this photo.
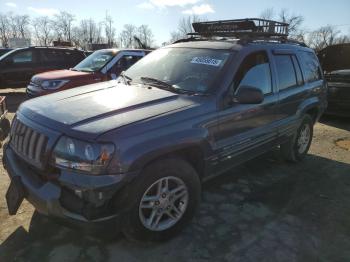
(268, 13)
(127, 36)
(144, 33)
(184, 27)
(295, 21)
(88, 32)
(109, 30)
(62, 24)
(43, 30)
(325, 36)
(4, 30)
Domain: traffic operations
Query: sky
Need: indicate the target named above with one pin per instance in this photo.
(163, 15)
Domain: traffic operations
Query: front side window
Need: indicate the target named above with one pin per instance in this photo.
(96, 61)
(285, 71)
(23, 57)
(124, 63)
(188, 69)
(255, 72)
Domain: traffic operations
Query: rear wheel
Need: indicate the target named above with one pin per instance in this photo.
(297, 147)
(164, 199)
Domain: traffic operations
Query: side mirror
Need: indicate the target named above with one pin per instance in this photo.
(249, 95)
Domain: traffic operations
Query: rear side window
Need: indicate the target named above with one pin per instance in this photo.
(285, 71)
(311, 66)
(66, 57)
(51, 56)
(255, 72)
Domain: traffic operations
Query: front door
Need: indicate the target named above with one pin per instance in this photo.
(246, 130)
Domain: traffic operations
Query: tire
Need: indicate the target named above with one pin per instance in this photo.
(5, 127)
(178, 173)
(295, 149)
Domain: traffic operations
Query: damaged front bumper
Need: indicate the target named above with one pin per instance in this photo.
(92, 203)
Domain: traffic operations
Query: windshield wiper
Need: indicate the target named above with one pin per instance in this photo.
(127, 79)
(163, 85)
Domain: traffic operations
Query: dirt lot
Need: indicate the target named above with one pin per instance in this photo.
(265, 210)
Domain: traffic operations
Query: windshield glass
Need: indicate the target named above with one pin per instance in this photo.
(8, 54)
(184, 68)
(95, 61)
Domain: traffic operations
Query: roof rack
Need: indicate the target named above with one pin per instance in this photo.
(243, 30)
(254, 27)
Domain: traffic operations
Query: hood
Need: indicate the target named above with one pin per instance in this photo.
(98, 108)
(60, 74)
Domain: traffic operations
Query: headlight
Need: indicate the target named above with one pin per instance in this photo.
(79, 155)
(53, 84)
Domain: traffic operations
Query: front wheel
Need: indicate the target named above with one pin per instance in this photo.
(163, 200)
(297, 147)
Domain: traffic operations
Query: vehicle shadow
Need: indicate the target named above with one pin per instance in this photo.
(262, 207)
(336, 121)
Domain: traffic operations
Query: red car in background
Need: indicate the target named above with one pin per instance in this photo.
(19, 65)
(102, 65)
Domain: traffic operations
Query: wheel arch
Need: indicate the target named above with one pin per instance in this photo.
(193, 153)
(312, 108)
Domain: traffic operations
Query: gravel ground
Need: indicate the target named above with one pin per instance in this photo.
(264, 210)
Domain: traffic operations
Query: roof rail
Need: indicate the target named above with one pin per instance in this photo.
(57, 47)
(241, 27)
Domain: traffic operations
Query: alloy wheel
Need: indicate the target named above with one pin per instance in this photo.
(163, 203)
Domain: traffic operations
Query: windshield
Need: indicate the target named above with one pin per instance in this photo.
(183, 68)
(95, 61)
(3, 56)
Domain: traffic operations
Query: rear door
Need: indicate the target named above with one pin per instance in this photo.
(245, 130)
(294, 88)
(50, 59)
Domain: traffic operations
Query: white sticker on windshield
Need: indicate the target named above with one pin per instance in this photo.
(206, 61)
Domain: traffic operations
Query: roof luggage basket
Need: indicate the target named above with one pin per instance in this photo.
(250, 27)
(244, 30)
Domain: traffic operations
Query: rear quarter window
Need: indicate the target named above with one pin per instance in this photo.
(311, 66)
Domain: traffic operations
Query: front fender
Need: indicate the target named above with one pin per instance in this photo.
(138, 156)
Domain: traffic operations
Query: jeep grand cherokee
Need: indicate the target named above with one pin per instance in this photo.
(133, 152)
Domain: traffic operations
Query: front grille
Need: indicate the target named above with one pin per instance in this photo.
(28, 143)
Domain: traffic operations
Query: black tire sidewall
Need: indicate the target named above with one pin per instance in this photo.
(132, 226)
(306, 120)
(5, 127)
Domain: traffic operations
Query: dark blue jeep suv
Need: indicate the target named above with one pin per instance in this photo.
(130, 154)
